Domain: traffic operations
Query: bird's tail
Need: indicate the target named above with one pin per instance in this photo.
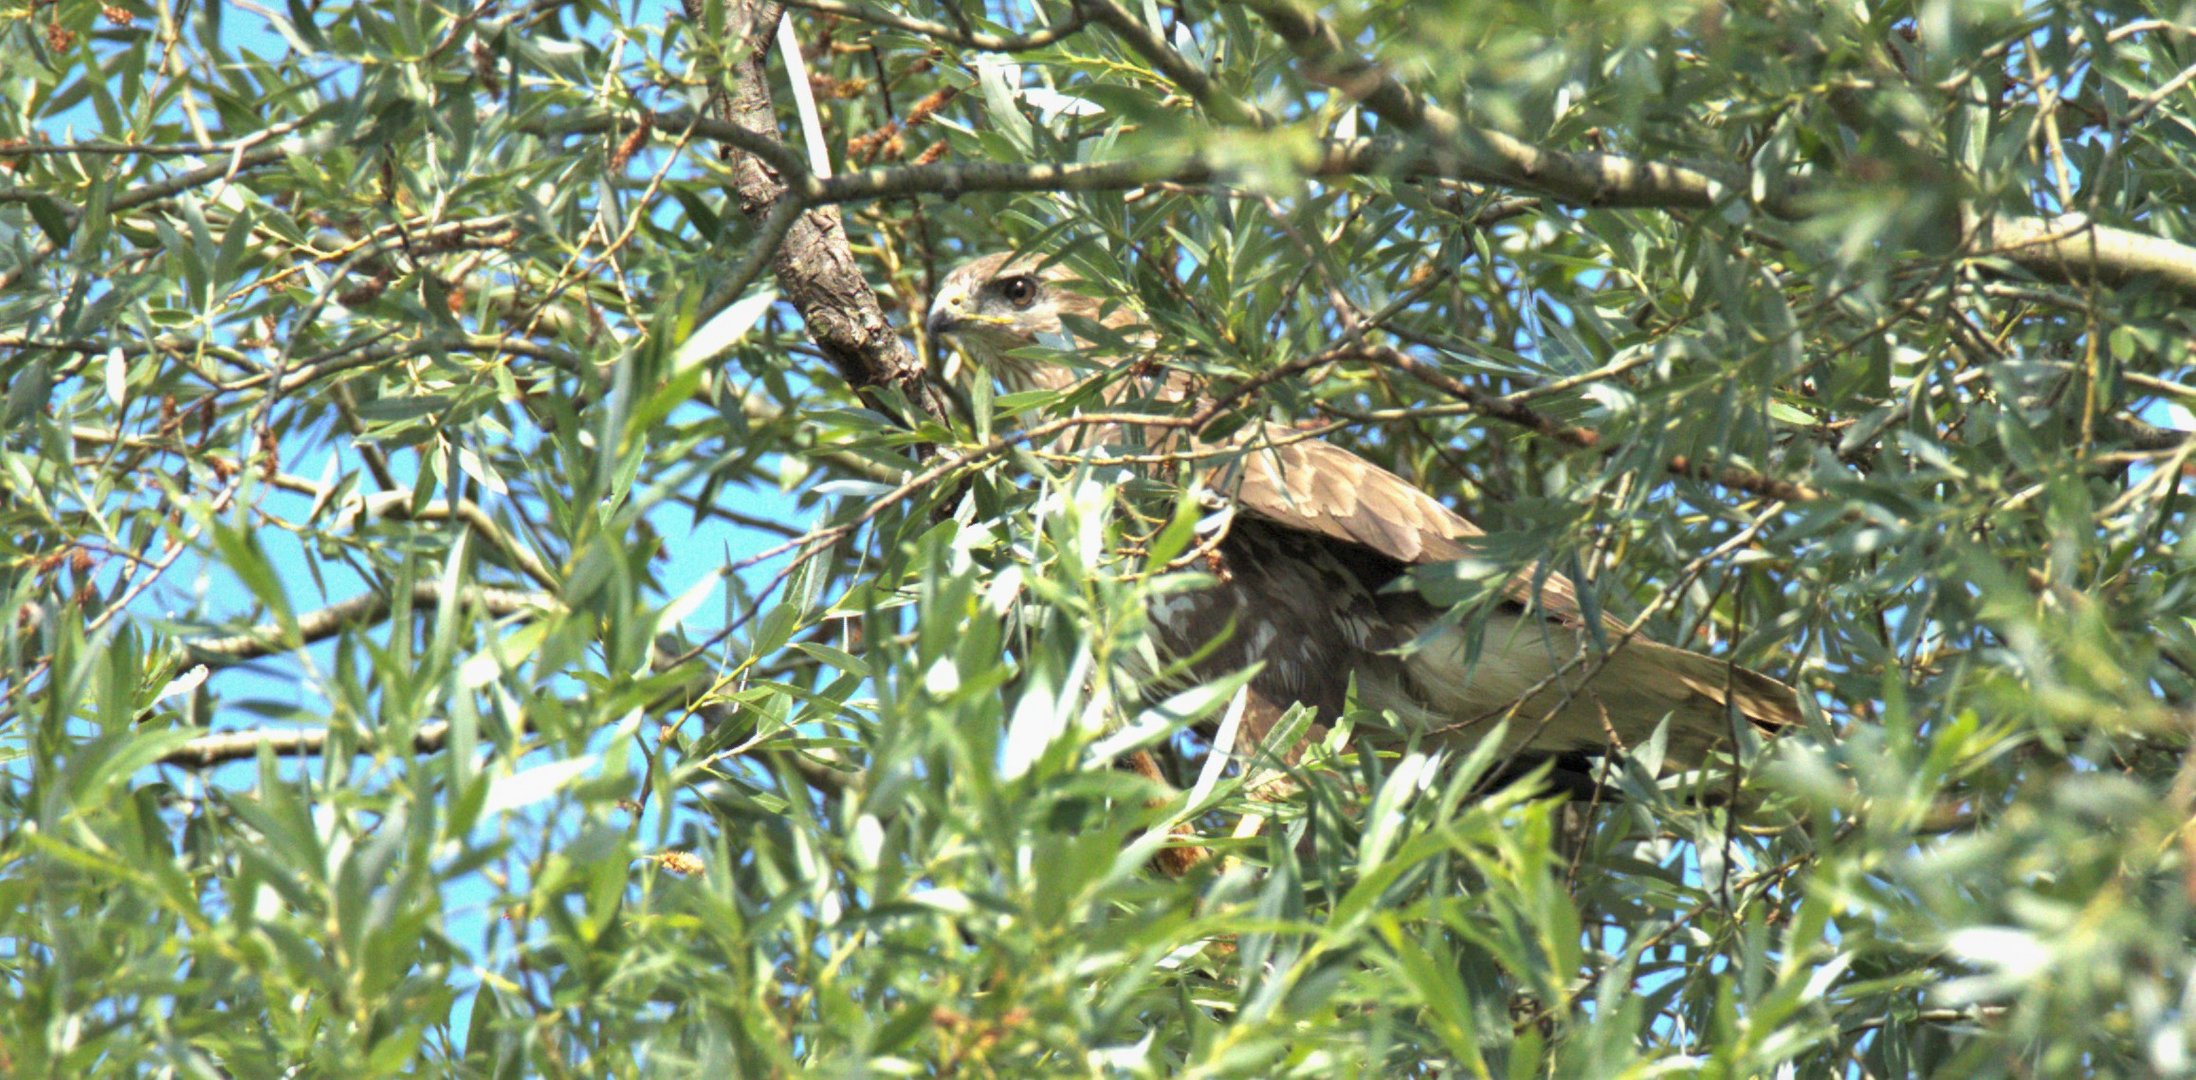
(1561, 695)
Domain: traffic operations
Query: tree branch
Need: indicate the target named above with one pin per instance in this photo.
(815, 267)
(239, 160)
(122, 149)
(1356, 157)
(206, 751)
(968, 39)
(2072, 248)
(1176, 67)
(398, 504)
(2068, 247)
(367, 610)
(1489, 156)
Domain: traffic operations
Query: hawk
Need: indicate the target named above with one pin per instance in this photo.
(1308, 572)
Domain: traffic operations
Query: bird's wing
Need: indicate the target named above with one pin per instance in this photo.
(1317, 486)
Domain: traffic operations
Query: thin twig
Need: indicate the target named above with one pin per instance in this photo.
(1068, 24)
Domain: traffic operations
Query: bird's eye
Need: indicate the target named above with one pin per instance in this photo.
(1019, 291)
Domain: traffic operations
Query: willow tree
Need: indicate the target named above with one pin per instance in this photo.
(500, 581)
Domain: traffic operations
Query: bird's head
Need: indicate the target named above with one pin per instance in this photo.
(999, 303)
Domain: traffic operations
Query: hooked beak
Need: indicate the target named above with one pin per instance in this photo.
(947, 312)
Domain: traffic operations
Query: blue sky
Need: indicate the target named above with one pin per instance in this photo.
(197, 596)
(249, 693)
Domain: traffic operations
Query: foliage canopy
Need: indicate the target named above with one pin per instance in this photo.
(617, 657)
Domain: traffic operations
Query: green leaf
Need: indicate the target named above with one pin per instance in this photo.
(51, 217)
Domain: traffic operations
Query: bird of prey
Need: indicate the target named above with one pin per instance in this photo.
(1307, 571)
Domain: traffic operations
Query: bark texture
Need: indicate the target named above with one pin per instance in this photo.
(815, 268)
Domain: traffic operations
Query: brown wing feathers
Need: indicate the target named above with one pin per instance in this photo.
(1378, 525)
(1320, 487)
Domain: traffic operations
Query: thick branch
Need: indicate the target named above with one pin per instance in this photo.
(367, 610)
(2066, 248)
(2069, 247)
(207, 751)
(815, 268)
(1355, 157)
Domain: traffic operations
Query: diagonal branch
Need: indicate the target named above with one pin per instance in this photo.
(2069, 248)
(1484, 155)
(1176, 67)
(815, 266)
